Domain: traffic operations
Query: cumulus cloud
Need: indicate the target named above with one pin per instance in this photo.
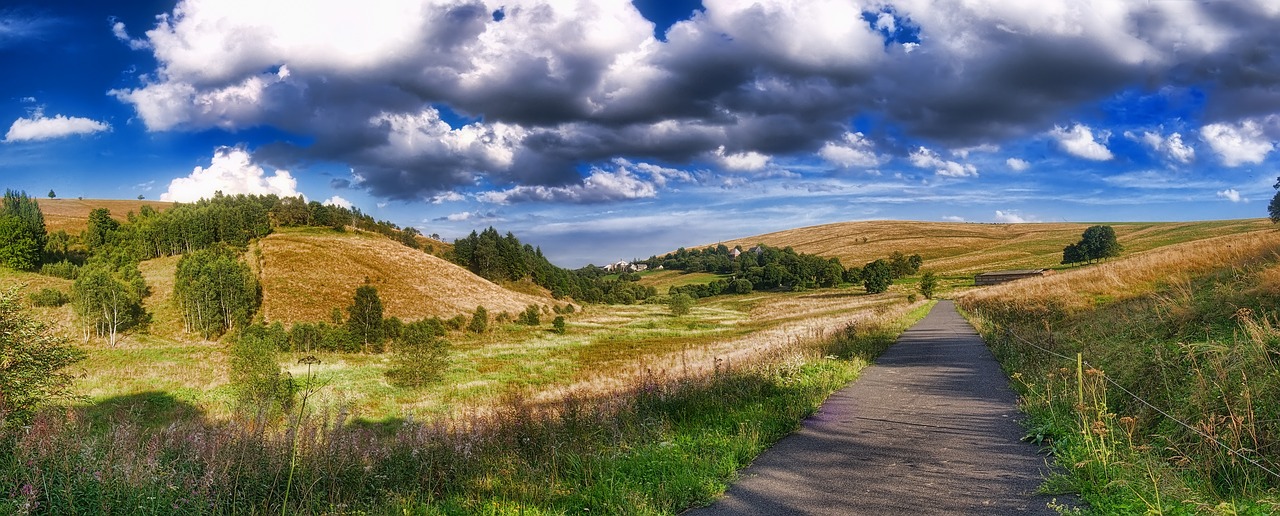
(121, 33)
(39, 127)
(599, 187)
(1080, 142)
(559, 86)
(925, 158)
(1232, 195)
(851, 150)
(339, 202)
(1240, 143)
(231, 171)
(1017, 164)
(1170, 147)
(1012, 217)
(953, 218)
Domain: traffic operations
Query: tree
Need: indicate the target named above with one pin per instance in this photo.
(19, 247)
(259, 383)
(557, 325)
(215, 291)
(928, 282)
(1273, 209)
(33, 360)
(530, 316)
(364, 319)
(108, 297)
(479, 321)
(1098, 243)
(100, 228)
(421, 355)
(51, 194)
(877, 276)
(680, 304)
(1072, 254)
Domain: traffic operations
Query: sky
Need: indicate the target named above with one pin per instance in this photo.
(602, 130)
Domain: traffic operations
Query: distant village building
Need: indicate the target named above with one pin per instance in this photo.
(619, 266)
(639, 267)
(757, 250)
(997, 277)
(733, 254)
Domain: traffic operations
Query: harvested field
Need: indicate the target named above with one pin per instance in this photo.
(72, 215)
(305, 274)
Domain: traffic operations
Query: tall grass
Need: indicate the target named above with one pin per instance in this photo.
(669, 441)
(1175, 405)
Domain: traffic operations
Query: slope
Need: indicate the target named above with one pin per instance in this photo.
(72, 215)
(962, 248)
(307, 273)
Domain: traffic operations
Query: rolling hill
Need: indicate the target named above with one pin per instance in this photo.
(72, 215)
(965, 248)
(305, 274)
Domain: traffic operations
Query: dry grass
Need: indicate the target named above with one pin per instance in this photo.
(962, 248)
(306, 274)
(72, 215)
(1081, 288)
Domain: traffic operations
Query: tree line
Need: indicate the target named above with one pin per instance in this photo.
(770, 268)
(1097, 243)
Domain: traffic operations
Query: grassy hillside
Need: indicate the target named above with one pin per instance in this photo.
(1191, 329)
(962, 248)
(305, 274)
(72, 215)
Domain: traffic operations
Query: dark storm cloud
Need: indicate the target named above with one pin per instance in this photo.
(559, 86)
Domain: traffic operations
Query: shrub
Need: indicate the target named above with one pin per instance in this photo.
(530, 316)
(479, 321)
(260, 385)
(421, 355)
(928, 282)
(680, 304)
(49, 297)
(33, 358)
(557, 324)
(63, 269)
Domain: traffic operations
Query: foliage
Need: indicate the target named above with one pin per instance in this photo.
(877, 276)
(902, 265)
(101, 229)
(530, 316)
(928, 282)
(215, 291)
(1097, 243)
(557, 325)
(260, 386)
(108, 296)
(19, 247)
(479, 321)
(27, 212)
(364, 319)
(421, 357)
(63, 269)
(680, 304)
(1273, 209)
(49, 297)
(32, 363)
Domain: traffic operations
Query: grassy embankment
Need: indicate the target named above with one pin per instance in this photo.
(1191, 329)
(653, 440)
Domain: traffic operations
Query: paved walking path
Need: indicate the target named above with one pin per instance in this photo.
(931, 428)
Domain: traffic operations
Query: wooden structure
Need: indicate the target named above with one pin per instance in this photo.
(997, 277)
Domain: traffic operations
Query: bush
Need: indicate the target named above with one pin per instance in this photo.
(928, 282)
(49, 297)
(680, 304)
(479, 321)
(421, 355)
(63, 269)
(557, 325)
(34, 359)
(530, 316)
(260, 385)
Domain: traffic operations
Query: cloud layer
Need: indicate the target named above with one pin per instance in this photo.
(529, 98)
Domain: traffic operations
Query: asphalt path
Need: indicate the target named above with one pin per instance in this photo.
(930, 428)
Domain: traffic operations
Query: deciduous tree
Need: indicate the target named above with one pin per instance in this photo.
(877, 276)
(32, 362)
(364, 318)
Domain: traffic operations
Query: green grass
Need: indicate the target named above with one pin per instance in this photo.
(663, 280)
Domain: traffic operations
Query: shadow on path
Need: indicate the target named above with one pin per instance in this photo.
(931, 428)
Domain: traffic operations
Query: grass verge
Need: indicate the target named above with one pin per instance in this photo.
(666, 443)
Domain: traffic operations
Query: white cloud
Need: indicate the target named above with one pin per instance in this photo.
(660, 175)
(925, 158)
(1232, 195)
(853, 150)
(953, 218)
(750, 161)
(1244, 142)
(1013, 217)
(1171, 147)
(338, 201)
(600, 186)
(231, 171)
(1079, 141)
(1017, 164)
(447, 197)
(118, 29)
(39, 127)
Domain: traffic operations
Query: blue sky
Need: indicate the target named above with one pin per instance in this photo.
(603, 129)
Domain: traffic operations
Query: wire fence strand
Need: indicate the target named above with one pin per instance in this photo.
(1233, 451)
